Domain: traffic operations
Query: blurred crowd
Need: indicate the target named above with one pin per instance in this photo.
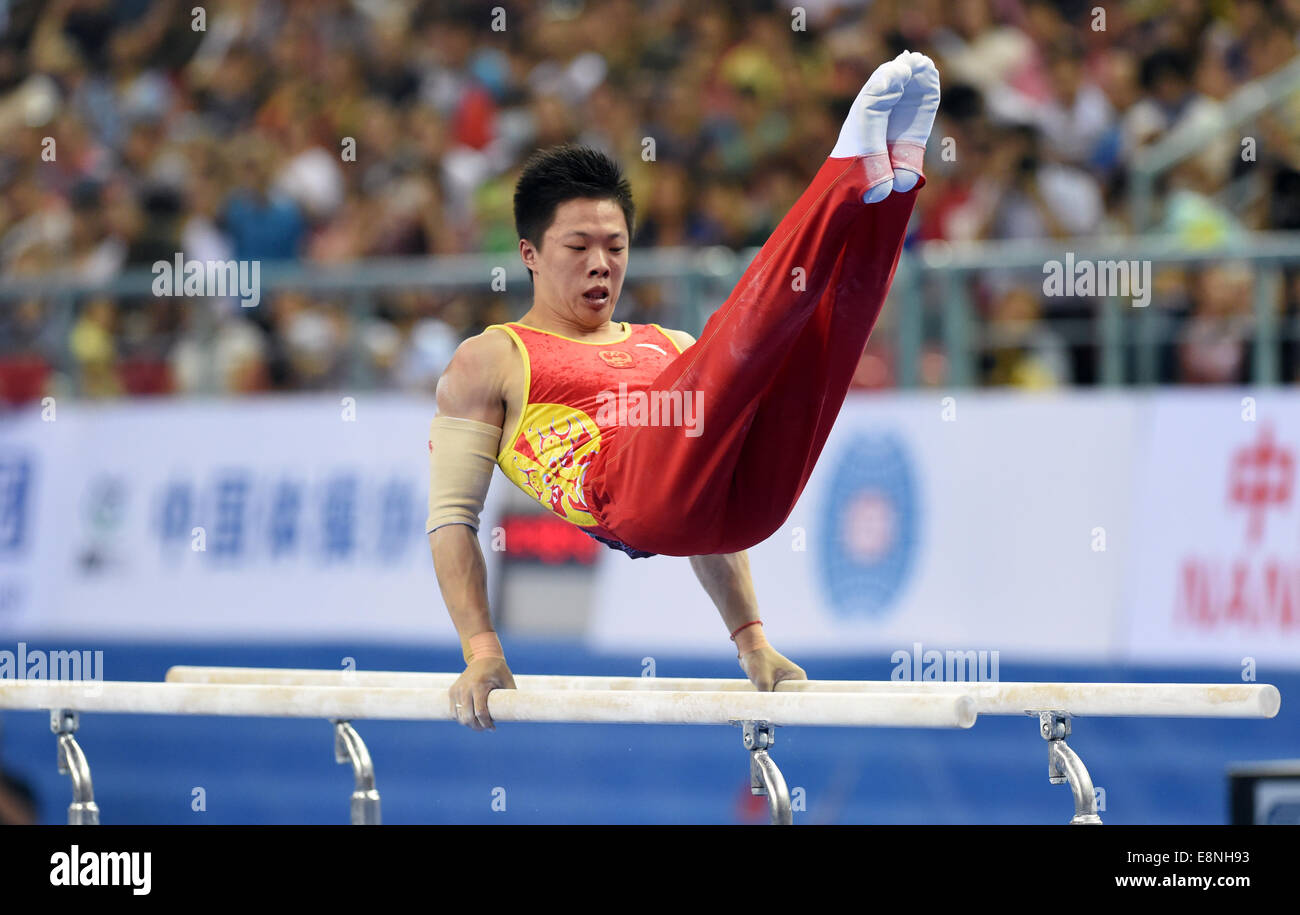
(330, 131)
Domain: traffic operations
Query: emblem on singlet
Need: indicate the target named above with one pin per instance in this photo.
(616, 359)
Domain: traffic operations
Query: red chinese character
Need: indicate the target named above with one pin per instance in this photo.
(1261, 478)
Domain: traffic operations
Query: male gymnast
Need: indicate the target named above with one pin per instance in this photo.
(767, 377)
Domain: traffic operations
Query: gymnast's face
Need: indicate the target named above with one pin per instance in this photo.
(584, 248)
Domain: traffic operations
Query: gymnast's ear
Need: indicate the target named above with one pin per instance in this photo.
(529, 253)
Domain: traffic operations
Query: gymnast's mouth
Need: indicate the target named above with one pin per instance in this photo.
(597, 294)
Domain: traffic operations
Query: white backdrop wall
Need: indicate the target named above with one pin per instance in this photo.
(1042, 527)
(1090, 527)
(312, 524)
(1215, 573)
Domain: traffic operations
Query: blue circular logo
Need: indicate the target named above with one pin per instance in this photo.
(869, 527)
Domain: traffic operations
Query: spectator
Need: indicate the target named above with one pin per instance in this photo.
(1023, 352)
(1036, 198)
(231, 142)
(1213, 343)
(94, 348)
(264, 224)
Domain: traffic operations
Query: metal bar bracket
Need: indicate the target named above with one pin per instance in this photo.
(1065, 766)
(72, 762)
(765, 779)
(350, 748)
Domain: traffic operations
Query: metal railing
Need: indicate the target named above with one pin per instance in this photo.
(699, 280)
(940, 276)
(932, 299)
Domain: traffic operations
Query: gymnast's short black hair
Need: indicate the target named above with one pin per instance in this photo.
(561, 173)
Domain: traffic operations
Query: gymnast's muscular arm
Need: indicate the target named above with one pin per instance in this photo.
(726, 579)
(471, 387)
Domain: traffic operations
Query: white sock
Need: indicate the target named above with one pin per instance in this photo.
(912, 119)
(864, 131)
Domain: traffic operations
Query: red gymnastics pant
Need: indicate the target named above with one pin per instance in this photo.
(771, 369)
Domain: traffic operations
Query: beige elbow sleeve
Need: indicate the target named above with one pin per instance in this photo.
(461, 457)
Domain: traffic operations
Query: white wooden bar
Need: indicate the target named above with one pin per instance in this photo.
(352, 702)
(1152, 700)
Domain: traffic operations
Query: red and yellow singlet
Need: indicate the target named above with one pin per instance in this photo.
(569, 413)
